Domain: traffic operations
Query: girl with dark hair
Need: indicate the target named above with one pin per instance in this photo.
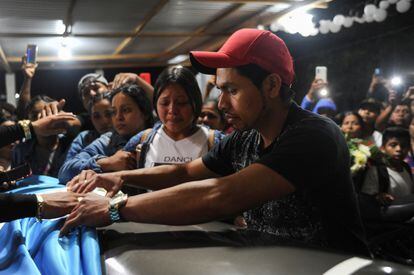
(100, 111)
(178, 138)
(131, 113)
(45, 155)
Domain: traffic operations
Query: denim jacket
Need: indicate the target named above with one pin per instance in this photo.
(106, 145)
(80, 142)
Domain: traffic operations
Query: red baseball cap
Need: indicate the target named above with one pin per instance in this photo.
(246, 46)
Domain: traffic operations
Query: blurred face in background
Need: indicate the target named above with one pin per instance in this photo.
(210, 116)
(175, 111)
(368, 115)
(90, 90)
(127, 118)
(101, 116)
(351, 126)
(401, 116)
(411, 128)
(36, 110)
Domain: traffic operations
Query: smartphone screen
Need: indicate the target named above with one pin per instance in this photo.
(321, 72)
(31, 53)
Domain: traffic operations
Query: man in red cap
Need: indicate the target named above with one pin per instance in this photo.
(284, 168)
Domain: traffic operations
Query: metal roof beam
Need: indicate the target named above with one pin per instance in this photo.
(141, 25)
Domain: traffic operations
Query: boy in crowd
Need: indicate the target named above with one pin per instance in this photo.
(369, 110)
(392, 180)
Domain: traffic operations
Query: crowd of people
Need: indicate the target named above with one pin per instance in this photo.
(185, 159)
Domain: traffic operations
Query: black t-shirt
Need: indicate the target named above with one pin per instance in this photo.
(311, 153)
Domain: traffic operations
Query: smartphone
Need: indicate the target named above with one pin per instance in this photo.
(31, 53)
(321, 72)
(377, 72)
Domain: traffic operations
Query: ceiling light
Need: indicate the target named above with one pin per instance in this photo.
(60, 27)
(178, 59)
(64, 52)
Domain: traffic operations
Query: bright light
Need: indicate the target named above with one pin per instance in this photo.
(387, 269)
(60, 27)
(324, 92)
(298, 21)
(178, 59)
(278, 7)
(17, 96)
(65, 48)
(113, 265)
(65, 53)
(396, 81)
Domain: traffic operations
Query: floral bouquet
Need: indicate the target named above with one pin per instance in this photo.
(361, 152)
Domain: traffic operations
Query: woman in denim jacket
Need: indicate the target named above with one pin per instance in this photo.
(131, 114)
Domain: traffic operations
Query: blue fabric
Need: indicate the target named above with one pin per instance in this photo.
(324, 103)
(32, 247)
(106, 145)
(307, 104)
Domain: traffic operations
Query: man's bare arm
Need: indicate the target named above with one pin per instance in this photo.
(160, 177)
(154, 178)
(188, 203)
(202, 201)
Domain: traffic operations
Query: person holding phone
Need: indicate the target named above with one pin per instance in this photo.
(377, 88)
(29, 66)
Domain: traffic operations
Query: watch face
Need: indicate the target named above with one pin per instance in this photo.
(117, 199)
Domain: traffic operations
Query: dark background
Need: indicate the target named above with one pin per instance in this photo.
(350, 55)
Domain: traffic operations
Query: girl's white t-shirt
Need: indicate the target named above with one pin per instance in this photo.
(165, 150)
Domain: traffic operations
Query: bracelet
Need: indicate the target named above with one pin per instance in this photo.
(25, 124)
(39, 210)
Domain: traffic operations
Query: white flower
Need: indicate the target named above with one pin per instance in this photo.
(364, 149)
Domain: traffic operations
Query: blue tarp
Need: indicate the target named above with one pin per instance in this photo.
(28, 246)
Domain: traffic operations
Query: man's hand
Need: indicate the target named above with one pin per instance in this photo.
(111, 182)
(28, 69)
(59, 203)
(82, 178)
(92, 210)
(52, 108)
(316, 85)
(384, 198)
(121, 160)
(124, 78)
(53, 125)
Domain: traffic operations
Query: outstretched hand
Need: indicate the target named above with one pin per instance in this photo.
(92, 210)
(52, 108)
(53, 124)
(87, 181)
(59, 203)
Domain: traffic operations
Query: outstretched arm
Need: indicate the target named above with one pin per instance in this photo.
(189, 203)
